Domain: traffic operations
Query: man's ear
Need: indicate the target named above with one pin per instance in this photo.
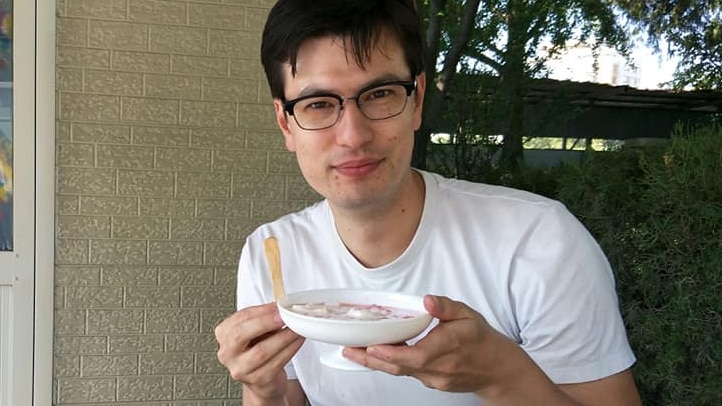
(282, 120)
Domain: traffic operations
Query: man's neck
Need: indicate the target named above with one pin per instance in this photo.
(379, 236)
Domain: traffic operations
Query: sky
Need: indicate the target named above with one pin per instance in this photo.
(577, 64)
(654, 68)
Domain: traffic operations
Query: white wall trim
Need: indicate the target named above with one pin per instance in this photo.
(45, 19)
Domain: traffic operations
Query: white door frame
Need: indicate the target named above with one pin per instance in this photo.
(27, 327)
(17, 308)
(45, 18)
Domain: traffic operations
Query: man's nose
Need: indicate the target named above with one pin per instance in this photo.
(353, 128)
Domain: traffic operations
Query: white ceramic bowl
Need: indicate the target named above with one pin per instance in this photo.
(355, 333)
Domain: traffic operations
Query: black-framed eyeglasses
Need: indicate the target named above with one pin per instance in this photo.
(376, 102)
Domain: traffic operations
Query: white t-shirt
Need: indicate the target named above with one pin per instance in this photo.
(521, 260)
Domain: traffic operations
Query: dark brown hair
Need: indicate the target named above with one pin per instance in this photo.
(358, 22)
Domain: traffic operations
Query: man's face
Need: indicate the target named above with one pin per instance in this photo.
(357, 162)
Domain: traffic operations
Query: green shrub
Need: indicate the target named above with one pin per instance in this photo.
(477, 162)
(657, 213)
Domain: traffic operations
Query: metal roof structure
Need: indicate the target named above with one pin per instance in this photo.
(591, 110)
(621, 112)
(601, 95)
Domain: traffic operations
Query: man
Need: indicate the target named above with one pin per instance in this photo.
(524, 298)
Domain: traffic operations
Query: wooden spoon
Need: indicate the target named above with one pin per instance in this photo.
(273, 256)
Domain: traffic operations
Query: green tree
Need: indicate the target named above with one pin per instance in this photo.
(447, 37)
(502, 38)
(693, 30)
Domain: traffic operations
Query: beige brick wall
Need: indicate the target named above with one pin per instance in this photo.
(168, 156)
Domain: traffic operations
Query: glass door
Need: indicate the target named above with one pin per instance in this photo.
(6, 125)
(7, 274)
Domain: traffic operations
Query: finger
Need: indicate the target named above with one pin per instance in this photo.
(409, 358)
(240, 330)
(446, 309)
(363, 357)
(439, 342)
(255, 321)
(270, 355)
(386, 360)
(229, 323)
(395, 359)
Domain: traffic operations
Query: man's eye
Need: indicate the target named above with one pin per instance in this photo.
(380, 93)
(319, 105)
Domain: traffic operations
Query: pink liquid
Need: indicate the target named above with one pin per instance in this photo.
(350, 311)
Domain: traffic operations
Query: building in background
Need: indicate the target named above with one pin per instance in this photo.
(582, 63)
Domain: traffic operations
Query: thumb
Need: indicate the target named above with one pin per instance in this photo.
(446, 309)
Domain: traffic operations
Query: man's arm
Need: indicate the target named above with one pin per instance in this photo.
(519, 381)
(618, 389)
(295, 396)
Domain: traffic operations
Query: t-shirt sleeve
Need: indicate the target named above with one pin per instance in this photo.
(565, 302)
(250, 289)
(253, 287)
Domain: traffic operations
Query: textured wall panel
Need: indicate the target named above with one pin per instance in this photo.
(168, 155)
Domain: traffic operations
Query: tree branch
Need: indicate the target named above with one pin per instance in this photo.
(467, 25)
(488, 61)
(433, 35)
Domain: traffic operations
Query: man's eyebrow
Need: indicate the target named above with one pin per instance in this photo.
(313, 91)
(318, 91)
(388, 77)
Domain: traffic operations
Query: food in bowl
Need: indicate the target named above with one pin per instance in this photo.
(351, 311)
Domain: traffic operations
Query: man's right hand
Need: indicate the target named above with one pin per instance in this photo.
(255, 347)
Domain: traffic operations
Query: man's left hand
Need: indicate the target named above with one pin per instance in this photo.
(461, 354)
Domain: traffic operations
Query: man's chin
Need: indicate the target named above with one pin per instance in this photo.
(355, 201)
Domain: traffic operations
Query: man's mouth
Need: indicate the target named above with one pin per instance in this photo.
(359, 167)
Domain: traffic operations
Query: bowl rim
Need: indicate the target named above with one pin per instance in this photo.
(282, 305)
